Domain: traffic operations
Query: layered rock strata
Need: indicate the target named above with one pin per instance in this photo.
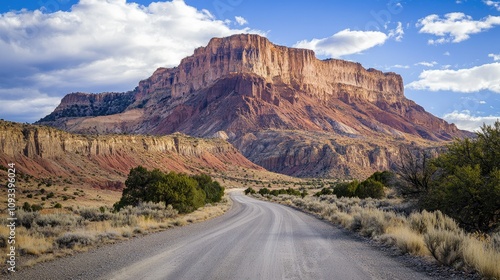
(244, 87)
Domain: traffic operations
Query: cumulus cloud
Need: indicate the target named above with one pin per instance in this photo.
(96, 46)
(454, 27)
(345, 42)
(496, 57)
(465, 120)
(494, 4)
(483, 77)
(240, 20)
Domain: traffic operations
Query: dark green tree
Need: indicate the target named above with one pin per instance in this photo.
(264, 191)
(140, 186)
(370, 188)
(346, 189)
(185, 193)
(467, 185)
(213, 190)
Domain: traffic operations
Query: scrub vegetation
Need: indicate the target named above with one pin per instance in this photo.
(44, 234)
(445, 206)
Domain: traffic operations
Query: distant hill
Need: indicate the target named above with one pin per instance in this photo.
(105, 161)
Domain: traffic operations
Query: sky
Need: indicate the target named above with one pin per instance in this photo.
(447, 51)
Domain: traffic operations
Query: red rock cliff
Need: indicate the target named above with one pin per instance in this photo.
(255, 55)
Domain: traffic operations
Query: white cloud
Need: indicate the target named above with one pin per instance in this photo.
(96, 46)
(484, 77)
(454, 27)
(465, 120)
(496, 57)
(427, 64)
(26, 103)
(241, 20)
(447, 53)
(494, 4)
(345, 42)
(400, 66)
(482, 102)
(397, 33)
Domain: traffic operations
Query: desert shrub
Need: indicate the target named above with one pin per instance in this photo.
(264, 191)
(58, 205)
(71, 239)
(495, 241)
(372, 222)
(26, 206)
(140, 186)
(181, 192)
(445, 246)
(463, 181)
(185, 193)
(213, 190)
(94, 214)
(324, 191)
(482, 255)
(122, 219)
(346, 189)
(423, 222)
(370, 188)
(36, 207)
(26, 218)
(150, 210)
(33, 243)
(406, 239)
(58, 219)
(250, 190)
(385, 177)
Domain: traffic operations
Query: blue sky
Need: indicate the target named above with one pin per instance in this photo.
(447, 51)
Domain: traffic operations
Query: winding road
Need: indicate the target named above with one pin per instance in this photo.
(254, 240)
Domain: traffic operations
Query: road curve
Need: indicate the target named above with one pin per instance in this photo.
(254, 240)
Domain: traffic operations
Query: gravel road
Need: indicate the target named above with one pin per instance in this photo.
(254, 240)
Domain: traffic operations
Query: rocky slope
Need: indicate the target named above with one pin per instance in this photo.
(104, 161)
(253, 93)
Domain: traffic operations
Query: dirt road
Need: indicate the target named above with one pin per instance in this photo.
(254, 240)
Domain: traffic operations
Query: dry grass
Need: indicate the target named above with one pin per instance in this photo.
(407, 240)
(33, 243)
(51, 234)
(483, 256)
(421, 233)
(445, 246)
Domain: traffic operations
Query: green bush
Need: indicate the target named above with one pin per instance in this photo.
(250, 190)
(213, 190)
(466, 186)
(185, 193)
(324, 191)
(36, 207)
(370, 188)
(384, 177)
(27, 206)
(264, 191)
(346, 189)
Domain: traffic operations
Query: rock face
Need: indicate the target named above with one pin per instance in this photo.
(257, 95)
(99, 160)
